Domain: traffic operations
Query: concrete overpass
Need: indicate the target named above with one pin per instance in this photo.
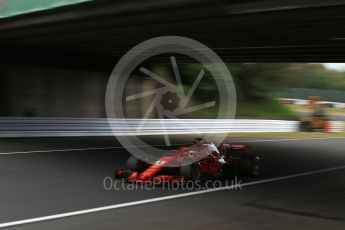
(48, 53)
(96, 33)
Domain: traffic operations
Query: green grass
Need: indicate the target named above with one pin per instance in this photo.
(295, 135)
(329, 111)
(270, 109)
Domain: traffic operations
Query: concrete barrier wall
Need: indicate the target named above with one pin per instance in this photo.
(56, 127)
(66, 127)
(337, 126)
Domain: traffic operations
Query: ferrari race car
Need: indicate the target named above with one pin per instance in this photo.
(200, 161)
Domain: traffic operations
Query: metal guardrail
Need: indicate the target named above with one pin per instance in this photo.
(69, 127)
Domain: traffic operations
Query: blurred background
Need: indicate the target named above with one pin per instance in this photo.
(57, 56)
(56, 145)
(36, 91)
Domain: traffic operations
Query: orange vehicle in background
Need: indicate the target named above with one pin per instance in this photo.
(318, 119)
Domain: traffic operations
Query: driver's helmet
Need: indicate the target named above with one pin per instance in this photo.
(212, 148)
(192, 152)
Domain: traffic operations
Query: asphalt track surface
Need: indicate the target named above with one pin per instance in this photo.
(38, 182)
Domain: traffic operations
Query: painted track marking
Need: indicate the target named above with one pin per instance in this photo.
(153, 200)
(119, 147)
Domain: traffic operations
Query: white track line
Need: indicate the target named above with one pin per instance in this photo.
(141, 202)
(119, 147)
(58, 150)
(79, 149)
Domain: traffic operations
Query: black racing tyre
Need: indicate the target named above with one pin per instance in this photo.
(305, 126)
(134, 164)
(250, 166)
(191, 172)
(227, 172)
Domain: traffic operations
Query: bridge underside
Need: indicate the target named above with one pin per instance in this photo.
(95, 34)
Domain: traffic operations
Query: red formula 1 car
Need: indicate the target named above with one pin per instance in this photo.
(196, 162)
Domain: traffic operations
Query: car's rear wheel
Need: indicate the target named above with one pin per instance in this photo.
(250, 166)
(227, 172)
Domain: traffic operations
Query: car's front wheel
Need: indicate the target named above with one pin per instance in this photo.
(191, 172)
(134, 164)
